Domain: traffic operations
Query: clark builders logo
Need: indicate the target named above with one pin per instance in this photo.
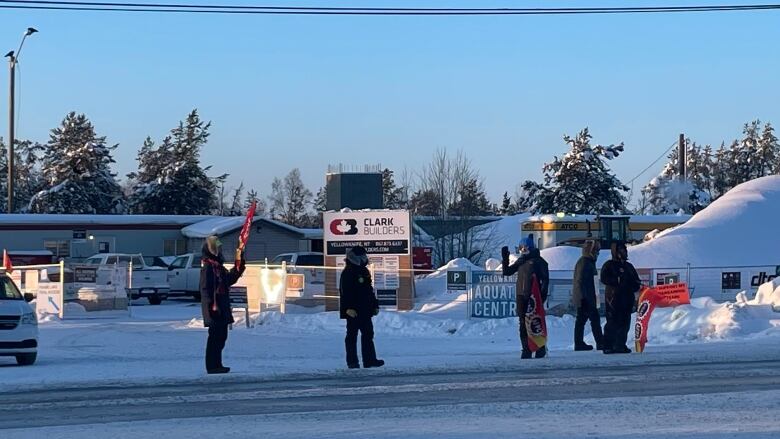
(344, 227)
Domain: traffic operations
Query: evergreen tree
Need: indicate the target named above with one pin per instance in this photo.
(720, 172)
(668, 193)
(236, 208)
(506, 205)
(290, 200)
(392, 195)
(425, 203)
(77, 173)
(321, 200)
(768, 152)
(251, 196)
(28, 179)
(170, 179)
(581, 181)
(472, 200)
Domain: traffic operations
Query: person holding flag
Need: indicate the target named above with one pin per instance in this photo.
(215, 283)
(533, 280)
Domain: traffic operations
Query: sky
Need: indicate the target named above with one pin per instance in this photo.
(309, 91)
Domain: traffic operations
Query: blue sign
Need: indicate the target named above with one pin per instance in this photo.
(492, 296)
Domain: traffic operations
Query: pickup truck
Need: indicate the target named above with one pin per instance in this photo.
(309, 265)
(147, 282)
(184, 276)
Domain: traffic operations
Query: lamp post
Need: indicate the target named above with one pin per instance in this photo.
(13, 59)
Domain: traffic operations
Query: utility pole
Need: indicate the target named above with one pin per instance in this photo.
(13, 59)
(11, 134)
(681, 158)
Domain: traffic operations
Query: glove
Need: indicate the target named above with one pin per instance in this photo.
(351, 313)
(376, 312)
(504, 252)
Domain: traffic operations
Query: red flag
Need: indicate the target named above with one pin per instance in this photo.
(662, 296)
(243, 237)
(7, 262)
(535, 322)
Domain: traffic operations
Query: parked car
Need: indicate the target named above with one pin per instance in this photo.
(159, 261)
(147, 282)
(18, 323)
(184, 276)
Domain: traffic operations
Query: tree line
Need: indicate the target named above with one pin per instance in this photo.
(72, 173)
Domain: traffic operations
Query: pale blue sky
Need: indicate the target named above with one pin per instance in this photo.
(303, 91)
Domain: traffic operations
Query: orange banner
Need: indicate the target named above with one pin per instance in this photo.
(672, 295)
(662, 296)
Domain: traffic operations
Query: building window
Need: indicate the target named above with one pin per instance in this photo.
(174, 247)
(59, 248)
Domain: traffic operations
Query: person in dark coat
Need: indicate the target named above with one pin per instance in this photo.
(358, 305)
(530, 263)
(584, 298)
(622, 281)
(215, 283)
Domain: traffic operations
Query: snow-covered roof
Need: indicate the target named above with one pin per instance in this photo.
(225, 225)
(99, 220)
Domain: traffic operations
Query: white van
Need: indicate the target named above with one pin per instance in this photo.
(18, 323)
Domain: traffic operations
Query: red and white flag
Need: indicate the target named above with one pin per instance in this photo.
(7, 262)
(243, 237)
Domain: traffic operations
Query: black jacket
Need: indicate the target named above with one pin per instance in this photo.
(525, 267)
(211, 269)
(584, 286)
(622, 282)
(356, 291)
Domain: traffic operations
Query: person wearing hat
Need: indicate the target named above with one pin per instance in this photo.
(358, 305)
(584, 298)
(529, 264)
(622, 281)
(215, 283)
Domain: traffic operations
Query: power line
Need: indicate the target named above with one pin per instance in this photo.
(654, 163)
(302, 10)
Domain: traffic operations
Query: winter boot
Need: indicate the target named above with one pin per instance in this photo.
(218, 370)
(541, 353)
(375, 363)
(623, 350)
(525, 355)
(583, 347)
(354, 366)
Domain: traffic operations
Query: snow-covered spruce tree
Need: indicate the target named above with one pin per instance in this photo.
(28, 181)
(667, 193)
(170, 179)
(581, 181)
(77, 173)
(768, 151)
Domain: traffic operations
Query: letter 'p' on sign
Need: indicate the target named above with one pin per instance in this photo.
(456, 280)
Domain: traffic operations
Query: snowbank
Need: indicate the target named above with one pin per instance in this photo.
(735, 230)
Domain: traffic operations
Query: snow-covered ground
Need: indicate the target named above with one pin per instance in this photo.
(167, 342)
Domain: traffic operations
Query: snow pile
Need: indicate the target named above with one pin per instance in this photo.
(734, 230)
(706, 320)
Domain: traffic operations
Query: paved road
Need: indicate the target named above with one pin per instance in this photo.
(377, 390)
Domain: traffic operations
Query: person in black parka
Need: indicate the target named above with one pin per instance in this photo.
(622, 281)
(529, 264)
(584, 298)
(358, 305)
(215, 283)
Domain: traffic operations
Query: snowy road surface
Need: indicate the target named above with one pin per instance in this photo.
(721, 399)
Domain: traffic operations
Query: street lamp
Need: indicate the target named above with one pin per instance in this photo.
(13, 59)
